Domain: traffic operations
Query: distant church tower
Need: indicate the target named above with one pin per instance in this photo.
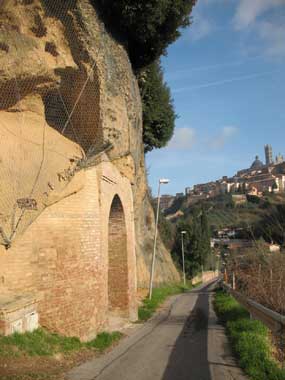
(268, 154)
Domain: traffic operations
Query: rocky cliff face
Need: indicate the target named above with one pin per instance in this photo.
(67, 93)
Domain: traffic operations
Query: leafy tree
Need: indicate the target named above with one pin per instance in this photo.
(148, 26)
(205, 244)
(158, 110)
(196, 243)
(191, 248)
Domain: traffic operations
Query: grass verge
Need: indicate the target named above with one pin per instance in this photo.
(42, 343)
(249, 338)
(159, 295)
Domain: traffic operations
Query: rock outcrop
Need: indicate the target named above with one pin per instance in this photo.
(67, 95)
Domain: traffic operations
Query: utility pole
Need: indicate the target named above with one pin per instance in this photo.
(160, 182)
(183, 258)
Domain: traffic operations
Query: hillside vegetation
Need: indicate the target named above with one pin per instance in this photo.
(261, 217)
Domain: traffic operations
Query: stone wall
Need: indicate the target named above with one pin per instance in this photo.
(205, 277)
(63, 257)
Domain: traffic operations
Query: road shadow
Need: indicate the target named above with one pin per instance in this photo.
(189, 358)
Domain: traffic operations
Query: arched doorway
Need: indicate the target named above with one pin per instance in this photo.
(118, 260)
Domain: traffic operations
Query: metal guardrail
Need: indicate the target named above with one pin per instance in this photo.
(273, 320)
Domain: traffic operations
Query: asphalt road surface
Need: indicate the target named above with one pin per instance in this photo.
(183, 342)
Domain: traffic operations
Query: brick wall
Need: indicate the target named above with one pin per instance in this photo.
(63, 257)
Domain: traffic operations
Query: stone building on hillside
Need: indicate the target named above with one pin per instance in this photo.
(262, 177)
(257, 164)
(255, 180)
(268, 154)
(279, 159)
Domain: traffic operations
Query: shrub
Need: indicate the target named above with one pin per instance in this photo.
(260, 276)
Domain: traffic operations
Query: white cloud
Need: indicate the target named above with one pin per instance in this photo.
(183, 139)
(253, 15)
(248, 11)
(273, 34)
(226, 134)
(229, 131)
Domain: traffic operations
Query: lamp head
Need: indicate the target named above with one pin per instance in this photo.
(164, 181)
(183, 232)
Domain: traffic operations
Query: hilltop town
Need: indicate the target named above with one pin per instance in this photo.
(256, 180)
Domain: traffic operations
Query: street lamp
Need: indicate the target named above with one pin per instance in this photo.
(183, 260)
(162, 181)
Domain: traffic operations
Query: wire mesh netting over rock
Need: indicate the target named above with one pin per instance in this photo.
(49, 108)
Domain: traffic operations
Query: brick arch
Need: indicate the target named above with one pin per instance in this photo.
(117, 259)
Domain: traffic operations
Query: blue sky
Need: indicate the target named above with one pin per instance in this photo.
(227, 77)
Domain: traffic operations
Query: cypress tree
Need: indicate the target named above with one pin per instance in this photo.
(158, 110)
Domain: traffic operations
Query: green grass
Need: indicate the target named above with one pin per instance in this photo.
(42, 343)
(159, 295)
(249, 338)
(104, 340)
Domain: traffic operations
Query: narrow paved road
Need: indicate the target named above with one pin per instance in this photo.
(183, 342)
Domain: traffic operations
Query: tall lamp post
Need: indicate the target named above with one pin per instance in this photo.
(162, 181)
(183, 258)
